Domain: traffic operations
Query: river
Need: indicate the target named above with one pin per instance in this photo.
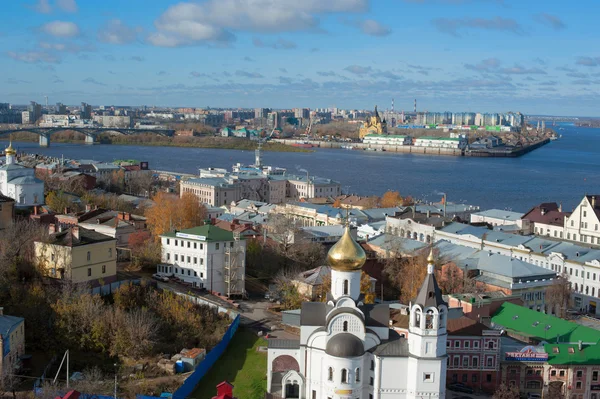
(562, 171)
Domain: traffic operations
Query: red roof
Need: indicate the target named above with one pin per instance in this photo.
(465, 326)
(546, 213)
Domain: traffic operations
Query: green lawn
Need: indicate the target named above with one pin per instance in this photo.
(241, 365)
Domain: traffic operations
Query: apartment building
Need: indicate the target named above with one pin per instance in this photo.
(205, 257)
(78, 255)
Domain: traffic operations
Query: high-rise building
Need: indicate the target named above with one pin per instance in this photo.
(301, 113)
(35, 111)
(261, 112)
(60, 109)
(85, 111)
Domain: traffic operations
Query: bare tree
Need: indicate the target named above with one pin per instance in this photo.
(505, 392)
(282, 229)
(558, 296)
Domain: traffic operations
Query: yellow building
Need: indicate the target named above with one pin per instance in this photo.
(7, 206)
(373, 125)
(12, 341)
(79, 255)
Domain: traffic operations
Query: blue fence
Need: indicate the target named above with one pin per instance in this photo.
(192, 381)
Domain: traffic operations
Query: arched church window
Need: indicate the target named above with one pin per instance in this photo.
(344, 375)
(330, 374)
(357, 371)
(345, 326)
(429, 320)
(345, 287)
(418, 318)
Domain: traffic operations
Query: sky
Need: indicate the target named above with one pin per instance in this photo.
(533, 56)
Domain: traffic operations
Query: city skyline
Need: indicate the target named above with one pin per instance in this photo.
(449, 54)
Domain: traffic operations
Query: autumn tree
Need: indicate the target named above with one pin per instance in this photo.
(289, 296)
(174, 213)
(453, 280)
(58, 201)
(391, 199)
(558, 296)
(505, 392)
(406, 272)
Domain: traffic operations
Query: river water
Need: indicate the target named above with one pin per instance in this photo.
(562, 171)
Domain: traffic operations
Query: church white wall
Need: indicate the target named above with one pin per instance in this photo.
(317, 378)
(27, 194)
(337, 284)
(427, 378)
(392, 377)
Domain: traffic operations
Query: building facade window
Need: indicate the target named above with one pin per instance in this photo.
(89, 271)
(89, 256)
(344, 376)
(103, 269)
(330, 374)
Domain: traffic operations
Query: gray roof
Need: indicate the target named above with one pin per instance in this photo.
(509, 267)
(314, 276)
(391, 242)
(345, 345)
(376, 315)
(380, 213)
(395, 346)
(500, 214)
(25, 180)
(430, 294)
(314, 313)
(274, 343)
(12, 166)
(8, 324)
(210, 181)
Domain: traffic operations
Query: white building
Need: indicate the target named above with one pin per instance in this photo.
(387, 139)
(347, 349)
(19, 182)
(498, 217)
(206, 257)
(441, 142)
(583, 224)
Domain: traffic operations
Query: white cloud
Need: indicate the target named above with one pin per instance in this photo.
(374, 28)
(42, 6)
(67, 5)
(61, 29)
(33, 57)
(189, 23)
(116, 32)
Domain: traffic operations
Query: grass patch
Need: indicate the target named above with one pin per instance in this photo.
(241, 365)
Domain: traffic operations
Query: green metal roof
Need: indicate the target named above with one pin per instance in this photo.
(208, 231)
(542, 326)
(569, 354)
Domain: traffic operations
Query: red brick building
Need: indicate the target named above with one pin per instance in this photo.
(473, 354)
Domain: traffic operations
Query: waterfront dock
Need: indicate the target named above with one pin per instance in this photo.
(501, 152)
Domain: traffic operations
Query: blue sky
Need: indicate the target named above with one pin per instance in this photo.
(533, 56)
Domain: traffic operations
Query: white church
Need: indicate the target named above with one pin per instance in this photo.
(346, 349)
(19, 182)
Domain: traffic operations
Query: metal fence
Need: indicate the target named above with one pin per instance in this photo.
(188, 386)
(108, 289)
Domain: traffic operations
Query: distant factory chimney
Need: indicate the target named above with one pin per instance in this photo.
(392, 105)
(415, 105)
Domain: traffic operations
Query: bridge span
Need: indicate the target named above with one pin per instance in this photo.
(91, 133)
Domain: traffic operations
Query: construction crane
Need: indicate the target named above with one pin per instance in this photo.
(308, 130)
(258, 151)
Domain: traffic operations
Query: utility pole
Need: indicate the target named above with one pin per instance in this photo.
(115, 395)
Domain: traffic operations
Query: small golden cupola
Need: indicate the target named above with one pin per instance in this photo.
(10, 150)
(346, 255)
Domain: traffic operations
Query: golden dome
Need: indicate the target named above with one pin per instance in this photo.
(346, 255)
(430, 258)
(10, 150)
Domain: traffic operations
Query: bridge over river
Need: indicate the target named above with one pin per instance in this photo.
(91, 133)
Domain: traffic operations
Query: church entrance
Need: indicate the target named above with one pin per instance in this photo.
(292, 390)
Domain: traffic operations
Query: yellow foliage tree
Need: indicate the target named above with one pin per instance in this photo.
(391, 199)
(174, 213)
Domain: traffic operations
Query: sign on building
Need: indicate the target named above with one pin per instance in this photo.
(527, 354)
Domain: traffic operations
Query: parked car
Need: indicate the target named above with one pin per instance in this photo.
(534, 396)
(160, 277)
(458, 387)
